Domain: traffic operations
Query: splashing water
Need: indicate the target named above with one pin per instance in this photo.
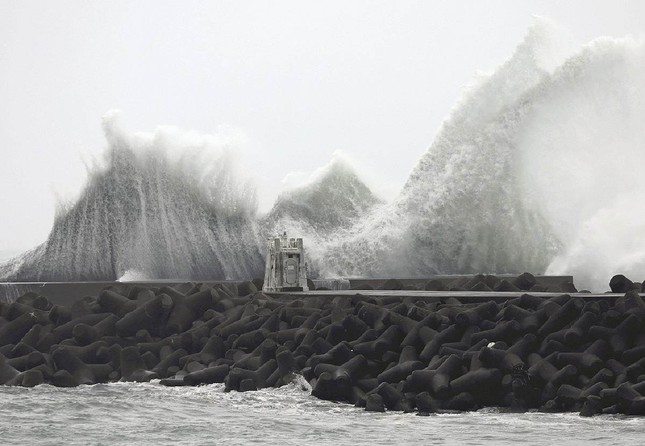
(323, 210)
(535, 169)
(168, 205)
(580, 145)
(531, 171)
(461, 210)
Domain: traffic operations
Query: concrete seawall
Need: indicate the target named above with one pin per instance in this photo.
(65, 293)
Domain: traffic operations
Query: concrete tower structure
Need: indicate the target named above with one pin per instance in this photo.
(285, 265)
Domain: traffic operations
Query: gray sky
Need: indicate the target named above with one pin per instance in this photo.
(300, 79)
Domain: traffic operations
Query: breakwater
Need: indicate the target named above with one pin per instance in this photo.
(403, 351)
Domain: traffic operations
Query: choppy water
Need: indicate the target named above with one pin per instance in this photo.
(127, 413)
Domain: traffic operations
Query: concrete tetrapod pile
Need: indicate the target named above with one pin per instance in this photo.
(395, 352)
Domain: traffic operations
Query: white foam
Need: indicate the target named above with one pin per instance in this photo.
(133, 275)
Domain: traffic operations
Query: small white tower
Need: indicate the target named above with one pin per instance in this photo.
(285, 266)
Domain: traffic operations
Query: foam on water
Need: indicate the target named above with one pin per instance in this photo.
(133, 275)
(129, 413)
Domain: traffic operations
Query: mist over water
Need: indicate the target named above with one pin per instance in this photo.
(580, 148)
(535, 169)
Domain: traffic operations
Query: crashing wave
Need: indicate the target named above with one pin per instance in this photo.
(535, 169)
(581, 144)
(168, 205)
(333, 202)
(522, 175)
(461, 210)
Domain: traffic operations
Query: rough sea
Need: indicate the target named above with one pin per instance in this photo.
(151, 414)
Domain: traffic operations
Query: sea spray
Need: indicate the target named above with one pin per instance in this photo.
(580, 147)
(461, 210)
(168, 204)
(323, 210)
(535, 169)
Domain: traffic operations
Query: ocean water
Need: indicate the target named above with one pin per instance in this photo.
(131, 413)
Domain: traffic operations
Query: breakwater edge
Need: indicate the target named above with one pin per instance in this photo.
(397, 352)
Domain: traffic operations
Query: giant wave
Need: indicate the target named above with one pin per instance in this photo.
(536, 169)
(166, 205)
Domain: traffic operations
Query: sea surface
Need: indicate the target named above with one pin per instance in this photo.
(128, 413)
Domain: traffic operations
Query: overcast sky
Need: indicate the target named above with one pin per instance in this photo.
(300, 79)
